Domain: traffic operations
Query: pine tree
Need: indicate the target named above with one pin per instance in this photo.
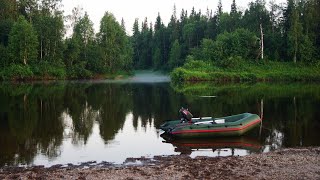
(158, 24)
(233, 8)
(135, 40)
(123, 24)
(219, 10)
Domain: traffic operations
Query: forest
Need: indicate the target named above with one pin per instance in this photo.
(33, 43)
(282, 38)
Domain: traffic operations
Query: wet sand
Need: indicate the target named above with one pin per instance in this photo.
(297, 163)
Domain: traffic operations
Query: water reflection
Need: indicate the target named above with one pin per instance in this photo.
(41, 120)
(71, 122)
(222, 146)
(290, 111)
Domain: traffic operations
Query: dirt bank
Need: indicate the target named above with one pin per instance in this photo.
(300, 163)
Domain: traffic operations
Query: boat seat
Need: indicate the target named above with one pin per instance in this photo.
(199, 118)
(219, 121)
(205, 122)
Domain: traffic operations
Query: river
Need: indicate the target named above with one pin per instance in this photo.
(48, 123)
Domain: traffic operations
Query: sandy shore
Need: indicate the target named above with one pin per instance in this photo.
(298, 163)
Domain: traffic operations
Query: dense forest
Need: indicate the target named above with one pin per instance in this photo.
(33, 43)
(266, 31)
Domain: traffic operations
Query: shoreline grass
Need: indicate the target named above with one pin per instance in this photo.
(246, 72)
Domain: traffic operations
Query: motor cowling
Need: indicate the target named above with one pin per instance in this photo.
(185, 114)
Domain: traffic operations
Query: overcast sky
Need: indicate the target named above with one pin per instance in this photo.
(131, 9)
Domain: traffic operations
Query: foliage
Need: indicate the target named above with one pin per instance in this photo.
(50, 30)
(23, 42)
(175, 53)
(7, 17)
(78, 71)
(32, 32)
(4, 56)
(82, 40)
(270, 71)
(47, 70)
(289, 32)
(95, 64)
(83, 31)
(72, 51)
(17, 72)
(37, 40)
(111, 40)
(196, 64)
(232, 62)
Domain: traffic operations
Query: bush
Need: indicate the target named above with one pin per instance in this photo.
(48, 70)
(17, 72)
(192, 64)
(178, 74)
(77, 71)
(199, 65)
(231, 62)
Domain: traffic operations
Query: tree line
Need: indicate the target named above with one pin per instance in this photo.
(33, 43)
(268, 31)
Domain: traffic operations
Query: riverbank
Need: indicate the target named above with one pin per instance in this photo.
(245, 71)
(294, 163)
(16, 73)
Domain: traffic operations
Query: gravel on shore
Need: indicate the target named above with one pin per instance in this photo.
(293, 163)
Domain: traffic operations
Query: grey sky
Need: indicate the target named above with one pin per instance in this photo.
(131, 9)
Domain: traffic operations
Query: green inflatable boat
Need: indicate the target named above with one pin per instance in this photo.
(235, 125)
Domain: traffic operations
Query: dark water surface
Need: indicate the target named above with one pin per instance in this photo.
(73, 122)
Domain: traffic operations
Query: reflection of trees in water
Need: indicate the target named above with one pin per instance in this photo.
(290, 111)
(82, 115)
(115, 105)
(49, 131)
(291, 122)
(107, 104)
(31, 116)
(153, 101)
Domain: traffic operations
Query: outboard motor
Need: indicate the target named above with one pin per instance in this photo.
(186, 116)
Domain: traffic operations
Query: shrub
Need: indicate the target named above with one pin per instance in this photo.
(17, 72)
(78, 71)
(178, 74)
(192, 64)
(48, 70)
(231, 62)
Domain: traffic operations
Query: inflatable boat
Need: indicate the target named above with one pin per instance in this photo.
(235, 125)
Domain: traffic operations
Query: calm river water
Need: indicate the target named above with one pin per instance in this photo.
(74, 122)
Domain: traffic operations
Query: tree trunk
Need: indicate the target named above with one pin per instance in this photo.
(25, 54)
(41, 49)
(55, 47)
(295, 49)
(261, 41)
